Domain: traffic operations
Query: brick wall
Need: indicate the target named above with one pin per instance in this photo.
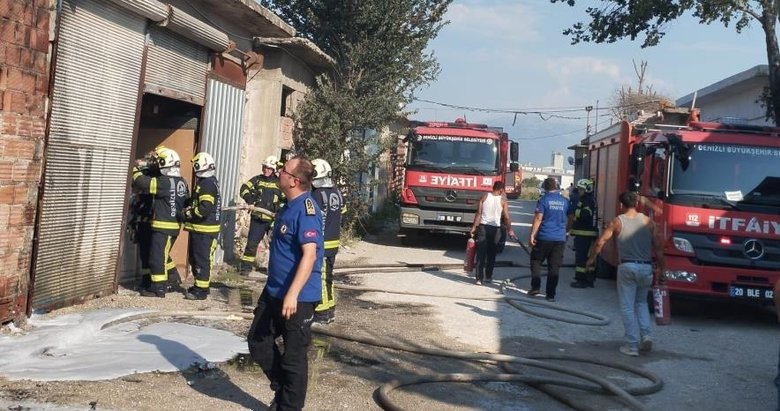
(24, 83)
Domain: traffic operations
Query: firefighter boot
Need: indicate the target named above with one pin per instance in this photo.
(155, 290)
(196, 293)
(245, 269)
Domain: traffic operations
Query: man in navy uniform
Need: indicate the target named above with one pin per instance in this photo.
(262, 191)
(202, 220)
(170, 194)
(294, 287)
(582, 225)
(331, 202)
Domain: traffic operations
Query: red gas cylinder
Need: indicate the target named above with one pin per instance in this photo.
(471, 254)
(661, 307)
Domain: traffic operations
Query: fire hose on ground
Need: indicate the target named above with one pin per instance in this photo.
(594, 383)
(598, 384)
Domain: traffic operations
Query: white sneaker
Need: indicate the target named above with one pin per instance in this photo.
(632, 352)
(646, 345)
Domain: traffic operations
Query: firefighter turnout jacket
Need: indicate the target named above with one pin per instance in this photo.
(332, 204)
(584, 223)
(170, 196)
(205, 209)
(264, 192)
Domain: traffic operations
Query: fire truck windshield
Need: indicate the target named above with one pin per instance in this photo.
(453, 154)
(740, 173)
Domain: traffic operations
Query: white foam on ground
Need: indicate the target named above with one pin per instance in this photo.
(73, 347)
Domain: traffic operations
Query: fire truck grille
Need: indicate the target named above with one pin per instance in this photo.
(742, 252)
(444, 198)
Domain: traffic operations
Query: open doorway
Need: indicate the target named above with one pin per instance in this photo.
(174, 124)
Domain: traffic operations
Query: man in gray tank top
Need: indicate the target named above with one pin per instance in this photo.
(636, 244)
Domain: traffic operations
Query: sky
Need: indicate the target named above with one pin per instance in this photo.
(511, 54)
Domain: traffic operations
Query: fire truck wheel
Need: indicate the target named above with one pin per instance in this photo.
(409, 237)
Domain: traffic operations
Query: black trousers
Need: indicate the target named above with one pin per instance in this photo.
(488, 237)
(552, 251)
(160, 262)
(582, 246)
(201, 256)
(257, 230)
(143, 235)
(288, 371)
(328, 291)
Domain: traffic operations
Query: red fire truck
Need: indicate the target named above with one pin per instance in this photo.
(713, 191)
(514, 186)
(446, 169)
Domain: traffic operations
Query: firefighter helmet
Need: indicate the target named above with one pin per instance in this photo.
(167, 158)
(322, 173)
(585, 184)
(270, 162)
(321, 168)
(203, 164)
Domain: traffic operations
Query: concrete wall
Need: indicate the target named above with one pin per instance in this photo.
(266, 131)
(733, 98)
(24, 84)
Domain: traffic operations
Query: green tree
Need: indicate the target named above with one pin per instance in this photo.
(380, 51)
(618, 19)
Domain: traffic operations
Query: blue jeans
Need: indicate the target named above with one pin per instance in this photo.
(633, 283)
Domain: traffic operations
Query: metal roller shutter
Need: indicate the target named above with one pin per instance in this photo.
(222, 131)
(98, 71)
(175, 67)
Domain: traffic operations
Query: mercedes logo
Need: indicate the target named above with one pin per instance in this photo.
(753, 249)
(451, 195)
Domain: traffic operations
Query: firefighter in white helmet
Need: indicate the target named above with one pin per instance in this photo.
(202, 220)
(332, 205)
(262, 191)
(170, 194)
(581, 223)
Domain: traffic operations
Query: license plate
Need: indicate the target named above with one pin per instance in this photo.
(739, 291)
(445, 217)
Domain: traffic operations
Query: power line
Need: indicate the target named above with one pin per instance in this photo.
(538, 111)
(579, 130)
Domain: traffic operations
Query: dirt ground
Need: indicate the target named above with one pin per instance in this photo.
(345, 375)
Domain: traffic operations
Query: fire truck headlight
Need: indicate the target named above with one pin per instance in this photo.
(682, 245)
(681, 276)
(408, 218)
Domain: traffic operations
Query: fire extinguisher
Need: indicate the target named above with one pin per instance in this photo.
(471, 255)
(661, 308)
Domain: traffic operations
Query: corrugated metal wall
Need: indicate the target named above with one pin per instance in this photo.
(91, 131)
(222, 130)
(175, 64)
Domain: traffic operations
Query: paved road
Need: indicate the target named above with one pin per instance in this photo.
(714, 356)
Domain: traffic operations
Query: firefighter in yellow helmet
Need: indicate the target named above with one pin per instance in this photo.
(581, 223)
(202, 220)
(332, 205)
(262, 191)
(170, 195)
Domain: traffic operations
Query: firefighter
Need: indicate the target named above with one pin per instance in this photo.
(332, 206)
(582, 225)
(262, 191)
(170, 194)
(202, 220)
(140, 220)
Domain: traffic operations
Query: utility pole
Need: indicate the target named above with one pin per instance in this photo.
(588, 109)
(585, 167)
(596, 126)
